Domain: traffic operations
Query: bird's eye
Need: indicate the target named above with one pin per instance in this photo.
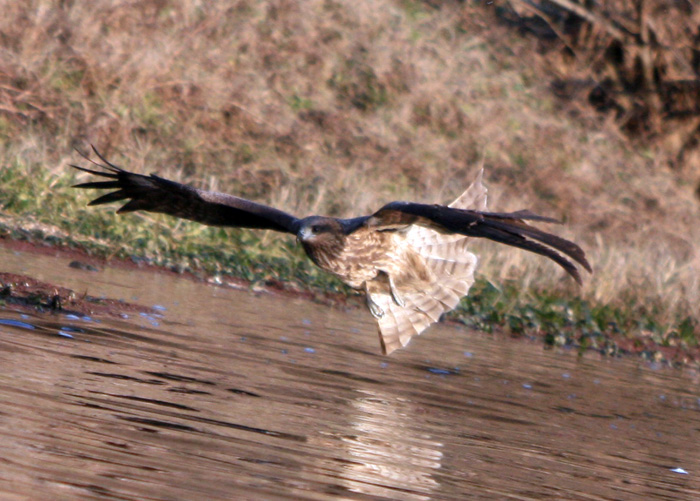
(315, 229)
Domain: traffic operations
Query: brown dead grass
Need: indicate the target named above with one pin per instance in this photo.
(336, 107)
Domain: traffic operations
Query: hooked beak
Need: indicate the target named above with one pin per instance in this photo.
(304, 234)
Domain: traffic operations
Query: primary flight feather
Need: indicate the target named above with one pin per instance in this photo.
(410, 259)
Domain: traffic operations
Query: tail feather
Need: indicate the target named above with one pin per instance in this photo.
(452, 268)
(398, 324)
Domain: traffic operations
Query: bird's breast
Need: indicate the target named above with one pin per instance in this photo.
(364, 253)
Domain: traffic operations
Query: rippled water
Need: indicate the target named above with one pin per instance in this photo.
(224, 394)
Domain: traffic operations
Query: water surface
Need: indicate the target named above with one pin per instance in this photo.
(225, 394)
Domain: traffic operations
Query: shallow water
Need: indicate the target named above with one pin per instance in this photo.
(225, 394)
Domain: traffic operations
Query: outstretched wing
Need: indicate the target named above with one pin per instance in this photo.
(155, 194)
(507, 228)
(448, 260)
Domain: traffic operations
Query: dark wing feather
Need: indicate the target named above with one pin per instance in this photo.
(155, 194)
(507, 228)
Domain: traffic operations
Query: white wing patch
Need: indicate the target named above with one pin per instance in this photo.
(452, 267)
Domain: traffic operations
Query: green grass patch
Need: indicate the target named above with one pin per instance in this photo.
(562, 321)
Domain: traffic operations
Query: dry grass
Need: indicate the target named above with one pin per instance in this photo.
(335, 106)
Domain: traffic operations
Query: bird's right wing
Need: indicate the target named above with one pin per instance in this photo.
(155, 194)
(507, 228)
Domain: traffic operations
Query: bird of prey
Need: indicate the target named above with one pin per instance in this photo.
(410, 259)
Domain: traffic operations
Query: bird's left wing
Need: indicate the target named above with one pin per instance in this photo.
(155, 194)
(507, 228)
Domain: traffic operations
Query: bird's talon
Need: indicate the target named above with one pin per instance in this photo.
(374, 308)
(398, 299)
(395, 293)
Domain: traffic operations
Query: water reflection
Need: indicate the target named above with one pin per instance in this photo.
(387, 453)
(214, 400)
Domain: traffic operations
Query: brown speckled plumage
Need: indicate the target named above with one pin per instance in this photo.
(410, 259)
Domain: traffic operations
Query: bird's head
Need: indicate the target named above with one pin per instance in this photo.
(322, 234)
(318, 229)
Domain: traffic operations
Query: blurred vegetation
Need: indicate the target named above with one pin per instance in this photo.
(337, 107)
(637, 61)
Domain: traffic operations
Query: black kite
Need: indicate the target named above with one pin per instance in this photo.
(410, 259)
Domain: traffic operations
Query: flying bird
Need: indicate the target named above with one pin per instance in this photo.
(410, 259)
